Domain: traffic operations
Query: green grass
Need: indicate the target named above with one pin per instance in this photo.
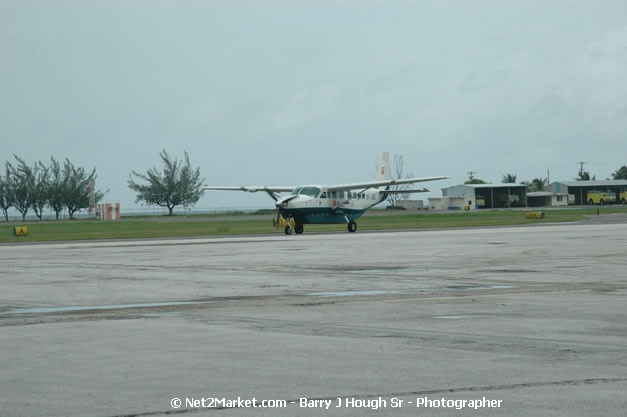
(151, 228)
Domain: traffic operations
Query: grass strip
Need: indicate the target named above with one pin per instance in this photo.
(154, 228)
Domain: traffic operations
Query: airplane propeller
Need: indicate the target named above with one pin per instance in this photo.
(282, 203)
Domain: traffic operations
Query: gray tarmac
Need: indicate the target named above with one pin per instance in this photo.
(533, 317)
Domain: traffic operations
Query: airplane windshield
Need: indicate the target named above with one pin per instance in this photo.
(295, 191)
(309, 191)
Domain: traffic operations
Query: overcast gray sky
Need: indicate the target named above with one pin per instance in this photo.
(291, 92)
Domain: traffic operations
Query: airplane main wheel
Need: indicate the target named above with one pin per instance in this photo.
(288, 230)
(352, 226)
(299, 229)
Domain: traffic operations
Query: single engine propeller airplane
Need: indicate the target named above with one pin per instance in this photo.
(331, 204)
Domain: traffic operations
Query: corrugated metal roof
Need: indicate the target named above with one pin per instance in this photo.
(599, 183)
(491, 185)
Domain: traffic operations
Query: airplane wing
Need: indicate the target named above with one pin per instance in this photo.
(423, 190)
(252, 189)
(377, 184)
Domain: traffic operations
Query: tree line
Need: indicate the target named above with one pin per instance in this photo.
(65, 186)
(58, 186)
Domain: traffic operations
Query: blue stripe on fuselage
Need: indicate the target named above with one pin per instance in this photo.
(322, 215)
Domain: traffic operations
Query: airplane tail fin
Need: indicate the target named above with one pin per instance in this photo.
(383, 174)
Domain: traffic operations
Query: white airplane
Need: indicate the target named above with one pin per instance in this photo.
(331, 204)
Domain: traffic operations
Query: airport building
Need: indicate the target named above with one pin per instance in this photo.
(556, 194)
(478, 196)
(577, 191)
(547, 199)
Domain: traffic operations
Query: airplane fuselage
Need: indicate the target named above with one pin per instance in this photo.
(315, 204)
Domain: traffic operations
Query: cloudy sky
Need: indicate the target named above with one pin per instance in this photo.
(289, 92)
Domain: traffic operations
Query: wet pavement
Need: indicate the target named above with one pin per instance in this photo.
(533, 317)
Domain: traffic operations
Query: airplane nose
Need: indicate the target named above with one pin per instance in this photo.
(282, 203)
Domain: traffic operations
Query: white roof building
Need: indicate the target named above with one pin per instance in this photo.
(475, 196)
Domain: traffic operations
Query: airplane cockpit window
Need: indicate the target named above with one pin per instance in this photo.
(309, 191)
(296, 191)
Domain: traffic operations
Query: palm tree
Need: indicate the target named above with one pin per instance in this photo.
(509, 179)
(537, 184)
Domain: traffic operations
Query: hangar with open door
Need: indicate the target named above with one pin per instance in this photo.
(578, 190)
(479, 196)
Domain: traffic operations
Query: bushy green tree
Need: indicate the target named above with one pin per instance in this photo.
(178, 184)
(585, 176)
(620, 173)
(475, 181)
(6, 192)
(56, 185)
(22, 186)
(40, 189)
(76, 187)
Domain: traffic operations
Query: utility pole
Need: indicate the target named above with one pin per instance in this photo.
(581, 169)
(470, 175)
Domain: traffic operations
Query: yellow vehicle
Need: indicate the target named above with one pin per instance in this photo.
(623, 197)
(600, 197)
